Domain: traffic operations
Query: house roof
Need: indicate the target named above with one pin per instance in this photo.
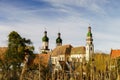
(41, 58)
(2, 52)
(78, 50)
(115, 54)
(61, 50)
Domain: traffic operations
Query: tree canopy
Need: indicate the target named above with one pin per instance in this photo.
(17, 47)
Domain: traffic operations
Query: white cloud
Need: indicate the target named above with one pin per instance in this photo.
(73, 26)
(33, 27)
(92, 5)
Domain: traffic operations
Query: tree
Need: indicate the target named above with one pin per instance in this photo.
(17, 47)
(118, 64)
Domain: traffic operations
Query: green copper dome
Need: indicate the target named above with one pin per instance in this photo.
(89, 34)
(45, 39)
(58, 40)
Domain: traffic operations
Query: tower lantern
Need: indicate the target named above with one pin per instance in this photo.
(45, 42)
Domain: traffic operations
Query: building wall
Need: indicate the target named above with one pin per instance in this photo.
(78, 57)
(89, 51)
(45, 45)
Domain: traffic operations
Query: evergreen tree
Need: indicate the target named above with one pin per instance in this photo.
(17, 47)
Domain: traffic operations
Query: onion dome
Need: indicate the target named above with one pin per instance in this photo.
(59, 40)
(89, 34)
(45, 38)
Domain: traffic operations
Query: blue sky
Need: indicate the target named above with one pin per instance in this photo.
(71, 17)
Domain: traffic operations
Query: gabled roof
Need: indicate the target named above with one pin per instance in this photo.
(115, 54)
(61, 50)
(41, 59)
(78, 50)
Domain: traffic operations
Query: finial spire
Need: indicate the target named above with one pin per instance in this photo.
(45, 28)
(59, 29)
(45, 32)
(89, 24)
(89, 29)
(59, 34)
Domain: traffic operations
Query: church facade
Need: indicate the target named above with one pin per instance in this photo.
(63, 54)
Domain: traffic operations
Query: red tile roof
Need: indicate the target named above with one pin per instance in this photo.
(61, 50)
(41, 58)
(115, 54)
(2, 52)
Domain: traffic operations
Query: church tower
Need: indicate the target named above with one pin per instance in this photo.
(89, 45)
(45, 43)
(59, 40)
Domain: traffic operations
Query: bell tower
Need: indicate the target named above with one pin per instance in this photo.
(59, 40)
(45, 43)
(89, 45)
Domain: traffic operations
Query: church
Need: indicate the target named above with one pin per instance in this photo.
(62, 57)
(64, 54)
